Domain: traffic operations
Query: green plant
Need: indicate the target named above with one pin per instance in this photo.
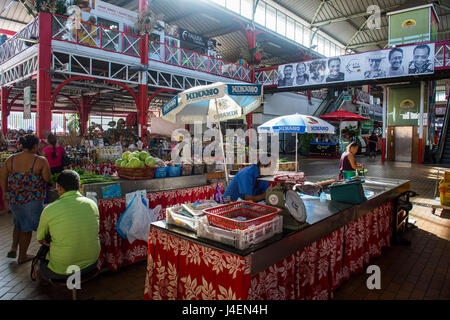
(351, 131)
(33, 7)
(73, 123)
(305, 140)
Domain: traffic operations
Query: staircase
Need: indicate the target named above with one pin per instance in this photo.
(324, 104)
(329, 104)
(444, 141)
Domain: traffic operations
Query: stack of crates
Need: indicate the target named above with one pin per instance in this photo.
(444, 189)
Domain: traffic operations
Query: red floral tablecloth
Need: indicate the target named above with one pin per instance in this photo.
(117, 251)
(180, 269)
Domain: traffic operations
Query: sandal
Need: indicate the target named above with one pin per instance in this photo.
(29, 258)
(12, 254)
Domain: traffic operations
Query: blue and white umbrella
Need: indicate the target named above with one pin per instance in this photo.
(215, 102)
(297, 123)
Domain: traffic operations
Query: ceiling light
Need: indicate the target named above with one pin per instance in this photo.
(274, 45)
(210, 18)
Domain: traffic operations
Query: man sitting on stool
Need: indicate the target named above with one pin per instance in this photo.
(72, 222)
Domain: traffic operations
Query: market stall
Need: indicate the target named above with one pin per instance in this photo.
(328, 150)
(335, 242)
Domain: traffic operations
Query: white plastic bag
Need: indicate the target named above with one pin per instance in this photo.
(134, 223)
(130, 196)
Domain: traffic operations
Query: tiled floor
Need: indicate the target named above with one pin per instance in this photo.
(418, 271)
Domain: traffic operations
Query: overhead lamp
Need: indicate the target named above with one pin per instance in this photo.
(274, 45)
(210, 18)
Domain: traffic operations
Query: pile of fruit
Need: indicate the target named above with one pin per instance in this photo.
(4, 155)
(136, 159)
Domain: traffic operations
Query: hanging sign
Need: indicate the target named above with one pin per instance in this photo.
(27, 102)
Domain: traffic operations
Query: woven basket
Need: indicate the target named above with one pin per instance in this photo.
(136, 173)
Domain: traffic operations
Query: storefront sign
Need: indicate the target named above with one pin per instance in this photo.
(325, 150)
(367, 125)
(169, 106)
(396, 62)
(244, 90)
(207, 94)
(27, 102)
(192, 37)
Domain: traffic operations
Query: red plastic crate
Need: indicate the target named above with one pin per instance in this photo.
(255, 213)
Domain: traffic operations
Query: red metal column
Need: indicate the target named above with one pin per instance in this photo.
(143, 87)
(85, 108)
(4, 105)
(44, 83)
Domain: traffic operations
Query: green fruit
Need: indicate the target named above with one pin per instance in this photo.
(125, 155)
(150, 162)
(134, 163)
(132, 155)
(143, 155)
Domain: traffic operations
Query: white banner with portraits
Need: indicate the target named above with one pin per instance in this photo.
(388, 63)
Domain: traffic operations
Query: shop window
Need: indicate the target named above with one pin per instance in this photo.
(320, 45)
(290, 29)
(271, 18)
(306, 38)
(260, 14)
(298, 33)
(281, 23)
(220, 2)
(234, 5)
(327, 48)
(247, 8)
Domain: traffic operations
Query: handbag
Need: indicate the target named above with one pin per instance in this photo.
(40, 255)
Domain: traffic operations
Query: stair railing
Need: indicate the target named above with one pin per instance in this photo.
(443, 132)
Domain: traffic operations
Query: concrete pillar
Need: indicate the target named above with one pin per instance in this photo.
(44, 83)
(4, 106)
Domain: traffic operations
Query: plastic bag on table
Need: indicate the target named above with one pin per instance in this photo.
(130, 196)
(134, 223)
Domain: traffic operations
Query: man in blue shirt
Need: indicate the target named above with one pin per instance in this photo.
(245, 184)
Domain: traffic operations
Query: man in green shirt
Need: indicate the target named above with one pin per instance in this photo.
(72, 222)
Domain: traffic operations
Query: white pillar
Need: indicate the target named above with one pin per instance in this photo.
(422, 100)
(384, 130)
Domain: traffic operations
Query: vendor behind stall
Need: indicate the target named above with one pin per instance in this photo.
(245, 184)
(348, 162)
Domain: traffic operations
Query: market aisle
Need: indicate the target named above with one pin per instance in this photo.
(421, 271)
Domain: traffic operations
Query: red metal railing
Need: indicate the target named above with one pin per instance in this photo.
(90, 35)
(16, 44)
(188, 59)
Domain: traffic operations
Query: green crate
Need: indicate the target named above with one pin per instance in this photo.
(348, 174)
(350, 192)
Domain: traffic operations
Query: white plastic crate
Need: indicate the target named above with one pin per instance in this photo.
(240, 239)
(181, 221)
